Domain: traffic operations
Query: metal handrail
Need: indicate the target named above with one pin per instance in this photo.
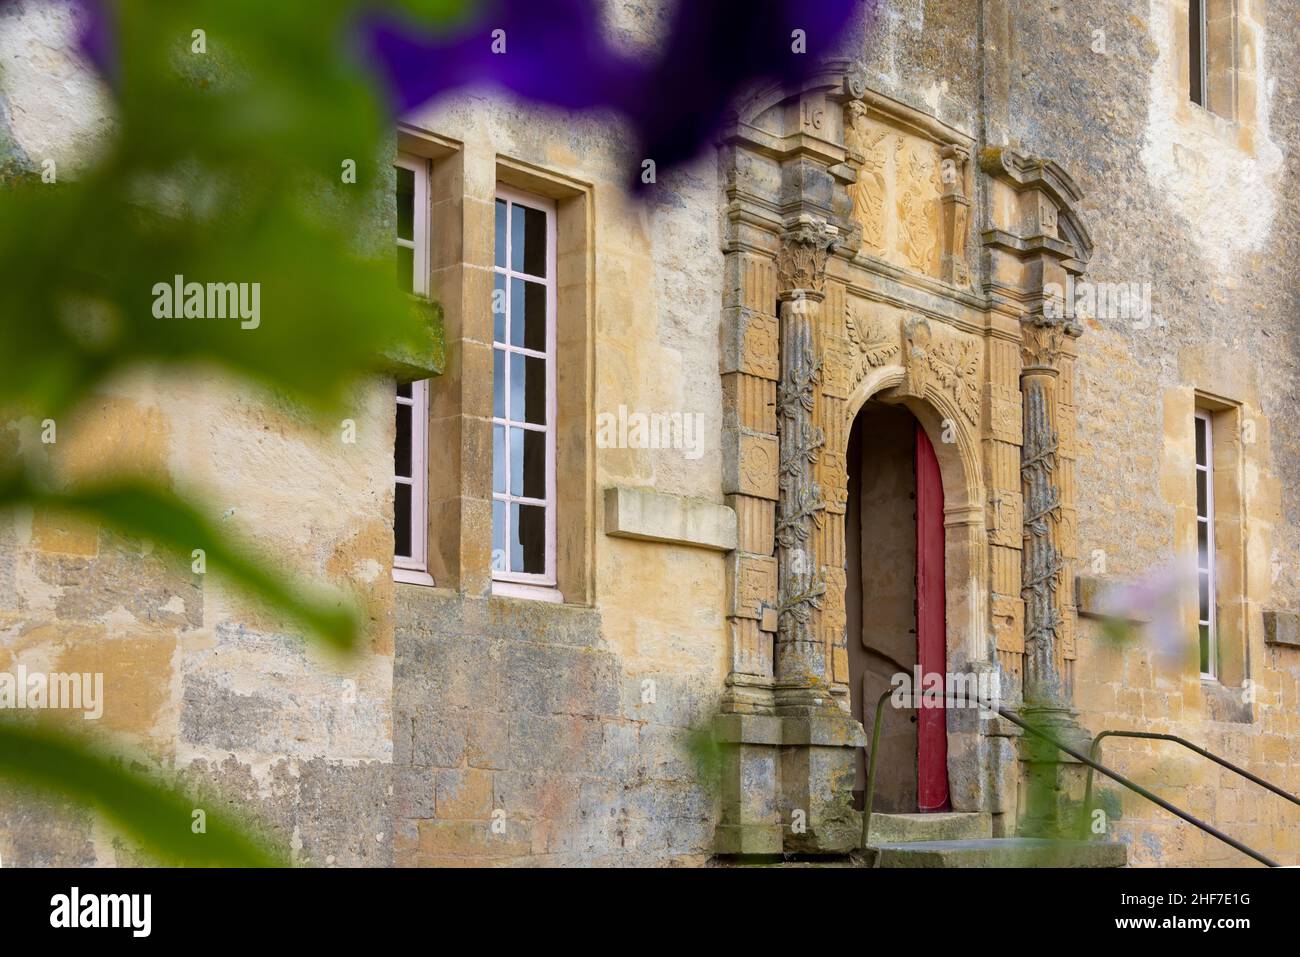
(1092, 765)
(1156, 736)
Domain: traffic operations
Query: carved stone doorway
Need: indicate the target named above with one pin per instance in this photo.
(894, 602)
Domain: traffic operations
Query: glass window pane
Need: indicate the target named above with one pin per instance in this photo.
(404, 390)
(1205, 649)
(528, 389)
(528, 314)
(528, 463)
(405, 269)
(527, 240)
(499, 308)
(528, 538)
(1200, 442)
(1202, 494)
(405, 203)
(498, 383)
(499, 537)
(501, 233)
(402, 520)
(1202, 544)
(498, 458)
(1204, 587)
(402, 447)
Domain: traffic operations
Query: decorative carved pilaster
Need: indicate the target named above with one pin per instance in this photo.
(956, 214)
(801, 673)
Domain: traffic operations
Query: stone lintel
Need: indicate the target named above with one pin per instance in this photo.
(656, 517)
(1282, 628)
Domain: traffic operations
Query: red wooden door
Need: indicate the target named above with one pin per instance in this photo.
(931, 731)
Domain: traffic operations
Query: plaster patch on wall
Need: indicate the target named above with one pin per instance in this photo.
(57, 107)
(1224, 193)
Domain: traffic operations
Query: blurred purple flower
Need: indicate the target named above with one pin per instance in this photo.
(1159, 600)
(556, 54)
(95, 35)
(94, 32)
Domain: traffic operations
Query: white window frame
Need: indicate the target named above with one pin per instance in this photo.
(414, 569)
(419, 243)
(1208, 568)
(504, 582)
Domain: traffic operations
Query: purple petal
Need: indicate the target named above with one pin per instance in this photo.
(556, 54)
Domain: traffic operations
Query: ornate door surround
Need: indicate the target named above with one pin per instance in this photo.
(849, 255)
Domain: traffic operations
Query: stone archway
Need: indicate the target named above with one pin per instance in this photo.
(966, 643)
(894, 621)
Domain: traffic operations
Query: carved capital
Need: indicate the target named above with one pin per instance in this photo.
(801, 264)
(1040, 345)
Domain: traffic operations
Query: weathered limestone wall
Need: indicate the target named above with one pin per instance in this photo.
(1197, 207)
(571, 721)
(195, 678)
(572, 724)
(198, 680)
(569, 724)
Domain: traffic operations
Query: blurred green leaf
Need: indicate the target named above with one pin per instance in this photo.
(145, 511)
(226, 166)
(159, 817)
(223, 166)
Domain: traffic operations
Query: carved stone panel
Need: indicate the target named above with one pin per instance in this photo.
(751, 581)
(909, 203)
(757, 466)
(871, 342)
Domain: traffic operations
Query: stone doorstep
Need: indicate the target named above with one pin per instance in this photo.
(911, 828)
(1002, 852)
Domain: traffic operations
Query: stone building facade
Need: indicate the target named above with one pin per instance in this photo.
(905, 234)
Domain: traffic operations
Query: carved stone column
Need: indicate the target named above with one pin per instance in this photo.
(818, 736)
(802, 685)
(1043, 567)
(1050, 773)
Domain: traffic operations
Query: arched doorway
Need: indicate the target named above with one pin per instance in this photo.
(895, 602)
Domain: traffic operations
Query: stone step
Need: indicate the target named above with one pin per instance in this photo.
(908, 828)
(1001, 852)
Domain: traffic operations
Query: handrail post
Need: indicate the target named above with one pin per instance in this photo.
(1093, 753)
(871, 767)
